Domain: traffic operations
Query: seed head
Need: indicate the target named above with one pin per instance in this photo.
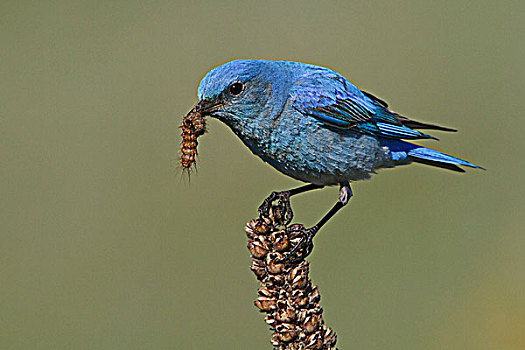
(287, 295)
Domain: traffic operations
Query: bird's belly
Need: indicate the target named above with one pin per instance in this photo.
(324, 156)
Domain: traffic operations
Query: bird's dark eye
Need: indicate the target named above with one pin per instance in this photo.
(236, 88)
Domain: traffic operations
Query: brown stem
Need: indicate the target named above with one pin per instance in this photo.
(287, 294)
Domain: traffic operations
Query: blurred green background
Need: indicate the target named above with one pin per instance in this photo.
(105, 245)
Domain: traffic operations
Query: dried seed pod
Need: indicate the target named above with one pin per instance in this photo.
(261, 227)
(286, 314)
(314, 341)
(330, 338)
(265, 303)
(275, 340)
(272, 266)
(314, 295)
(316, 310)
(286, 332)
(275, 280)
(279, 240)
(260, 272)
(193, 126)
(270, 320)
(299, 297)
(250, 233)
(265, 292)
(258, 249)
(287, 296)
(299, 276)
(311, 323)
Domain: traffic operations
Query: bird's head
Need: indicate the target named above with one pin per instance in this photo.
(237, 92)
(244, 94)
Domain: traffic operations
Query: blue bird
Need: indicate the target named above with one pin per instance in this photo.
(315, 126)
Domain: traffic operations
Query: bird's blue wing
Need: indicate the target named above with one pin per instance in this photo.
(331, 99)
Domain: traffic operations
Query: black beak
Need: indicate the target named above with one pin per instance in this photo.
(205, 107)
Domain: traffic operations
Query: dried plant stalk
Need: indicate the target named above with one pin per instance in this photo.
(193, 126)
(287, 295)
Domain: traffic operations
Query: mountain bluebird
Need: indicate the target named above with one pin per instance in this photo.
(312, 124)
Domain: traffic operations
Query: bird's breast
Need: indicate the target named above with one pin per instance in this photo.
(302, 148)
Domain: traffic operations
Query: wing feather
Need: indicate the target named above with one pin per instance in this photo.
(331, 99)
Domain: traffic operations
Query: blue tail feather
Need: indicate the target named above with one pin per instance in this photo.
(402, 151)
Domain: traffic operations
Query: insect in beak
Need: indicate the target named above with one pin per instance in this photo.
(193, 126)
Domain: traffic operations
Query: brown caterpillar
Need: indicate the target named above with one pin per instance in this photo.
(193, 126)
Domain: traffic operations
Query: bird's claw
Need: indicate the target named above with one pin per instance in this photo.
(303, 248)
(283, 203)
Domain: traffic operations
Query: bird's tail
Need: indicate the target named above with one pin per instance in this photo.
(404, 152)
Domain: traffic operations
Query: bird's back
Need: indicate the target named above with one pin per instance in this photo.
(310, 150)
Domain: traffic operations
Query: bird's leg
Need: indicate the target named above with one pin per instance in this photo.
(305, 245)
(284, 201)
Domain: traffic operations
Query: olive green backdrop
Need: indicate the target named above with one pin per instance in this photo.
(105, 245)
